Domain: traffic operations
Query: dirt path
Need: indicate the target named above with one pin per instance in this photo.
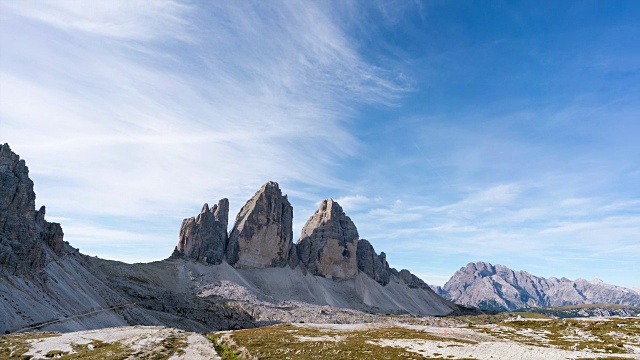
(39, 325)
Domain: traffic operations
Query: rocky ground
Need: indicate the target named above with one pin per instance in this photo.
(128, 342)
(503, 336)
(442, 338)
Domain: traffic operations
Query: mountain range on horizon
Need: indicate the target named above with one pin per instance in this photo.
(498, 288)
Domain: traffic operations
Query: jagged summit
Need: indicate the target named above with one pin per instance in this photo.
(262, 234)
(372, 264)
(499, 288)
(329, 242)
(261, 237)
(25, 236)
(204, 237)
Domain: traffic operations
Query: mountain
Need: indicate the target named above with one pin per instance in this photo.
(43, 278)
(250, 276)
(490, 287)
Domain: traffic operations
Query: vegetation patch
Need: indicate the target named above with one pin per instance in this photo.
(227, 348)
(613, 335)
(283, 342)
(15, 345)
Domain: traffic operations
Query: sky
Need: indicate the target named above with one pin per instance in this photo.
(449, 131)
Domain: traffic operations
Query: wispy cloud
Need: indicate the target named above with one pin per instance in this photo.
(146, 109)
(129, 20)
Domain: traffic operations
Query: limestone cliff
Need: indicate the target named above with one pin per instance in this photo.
(262, 234)
(329, 242)
(410, 279)
(204, 237)
(372, 264)
(24, 233)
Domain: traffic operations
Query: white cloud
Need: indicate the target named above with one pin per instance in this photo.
(149, 109)
(133, 19)
(267, 115)
(355, 202)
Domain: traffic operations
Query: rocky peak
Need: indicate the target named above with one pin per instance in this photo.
(18, 197)
(25, 235)
(372, 264)
(410, 279)
(500, 288)
(329, 242)
(480, 268)
(204, 237)
(262, 234)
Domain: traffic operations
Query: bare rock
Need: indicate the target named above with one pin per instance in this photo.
(329, 242)
(411, 280)
(24, 233)
(50, 233)
(262, 233)
(204, 237)
(294, 258)
(490, 287)
(372, 264)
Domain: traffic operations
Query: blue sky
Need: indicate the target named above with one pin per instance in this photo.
(450, 131)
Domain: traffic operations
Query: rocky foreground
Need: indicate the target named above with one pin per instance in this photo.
(394, 337)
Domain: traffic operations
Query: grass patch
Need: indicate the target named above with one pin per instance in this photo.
(15, 345)
(287, 341)
(530, 315)
(227, 348)
(602, 336)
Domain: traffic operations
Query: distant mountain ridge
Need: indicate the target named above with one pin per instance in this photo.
(490, 287)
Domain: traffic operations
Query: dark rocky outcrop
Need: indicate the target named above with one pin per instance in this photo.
(25, 235)
(329, 242)
(497, 287)
(262, 234)
(204, 237)
(411, 280)
(372, 264)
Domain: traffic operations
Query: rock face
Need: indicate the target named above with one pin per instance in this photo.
(204, 237)
(497, 287)
(372, 264)
(329, 242)
(262, 235)
(411, 280)
(24, 233)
